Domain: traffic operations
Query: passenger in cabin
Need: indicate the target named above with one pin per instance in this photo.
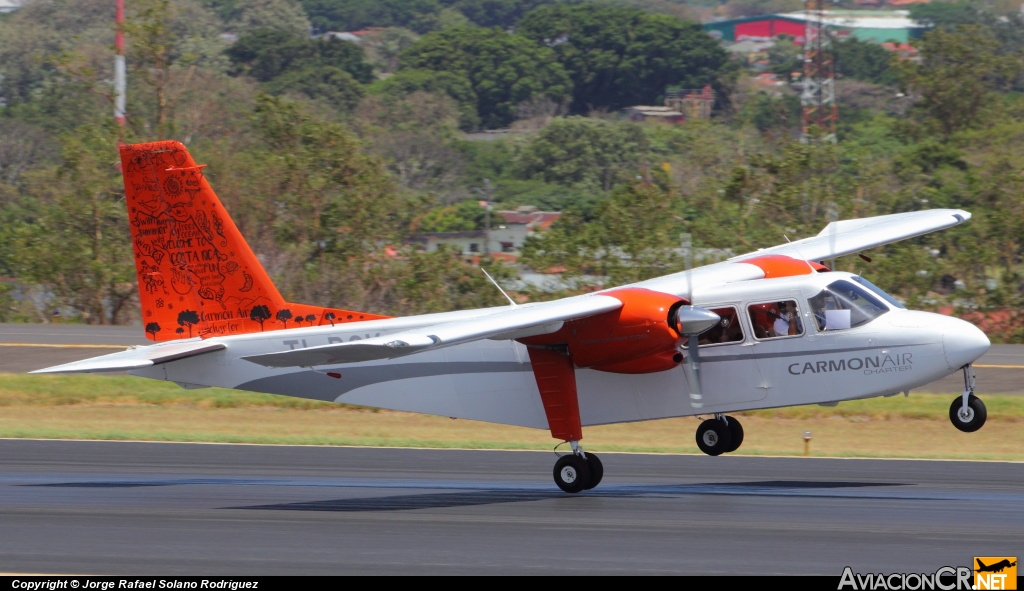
(779, 319)
(762, 319)
(788, 322)
(726, 331)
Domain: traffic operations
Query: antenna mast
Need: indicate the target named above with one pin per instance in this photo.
(819, 96)
(119, 67)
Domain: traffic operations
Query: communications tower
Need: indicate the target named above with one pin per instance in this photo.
(818, 99)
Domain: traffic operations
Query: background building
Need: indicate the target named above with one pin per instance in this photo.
(877, 26)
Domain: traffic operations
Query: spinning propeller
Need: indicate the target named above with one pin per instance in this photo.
(691, 321)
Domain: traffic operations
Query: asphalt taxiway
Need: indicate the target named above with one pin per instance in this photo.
(124, 508)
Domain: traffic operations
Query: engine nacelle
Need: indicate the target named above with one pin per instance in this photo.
(641, 337)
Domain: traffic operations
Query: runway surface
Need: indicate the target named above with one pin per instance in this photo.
(189, 509)
(25, 347)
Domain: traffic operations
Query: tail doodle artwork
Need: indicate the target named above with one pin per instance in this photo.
(197, 275)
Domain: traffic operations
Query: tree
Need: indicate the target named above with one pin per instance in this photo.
(168, 42)
(454, 85)
(653, 215)
(332, 84)
(266, 54)
(352, 15)
(768, 113)
(948, 15)
(188, 318)
(504, 70)
(283, 316)
(153, 328)
(956, 80)
(467, 215)
(785, 57)
(583, 152)
(259, 314)
(329, 316)
(618, 57)
(498, 13)
(741, 8)
(865, 61)
(78, 205)
(416, 136)
(284, 15)
(391, 42)
(428, 281)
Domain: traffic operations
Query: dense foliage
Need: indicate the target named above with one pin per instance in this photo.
(618, 57)
(503, 70)
(331, 155)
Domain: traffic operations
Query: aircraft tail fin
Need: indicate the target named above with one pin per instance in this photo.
(197, 275)
(981, 565)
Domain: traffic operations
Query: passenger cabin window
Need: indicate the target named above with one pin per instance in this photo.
(726, 331)
(843, 304)
(776, 319)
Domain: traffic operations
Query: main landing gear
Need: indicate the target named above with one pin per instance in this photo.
(719, 435)
(967, 412)
(578, 471)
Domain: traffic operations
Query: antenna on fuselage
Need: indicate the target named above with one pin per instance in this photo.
(510, 300)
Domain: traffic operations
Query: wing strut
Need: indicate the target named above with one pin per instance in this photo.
(556, 380)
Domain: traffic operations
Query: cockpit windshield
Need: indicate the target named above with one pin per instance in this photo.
(845, 305)
(878, 291)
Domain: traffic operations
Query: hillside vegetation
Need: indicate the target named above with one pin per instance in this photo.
(331, 154)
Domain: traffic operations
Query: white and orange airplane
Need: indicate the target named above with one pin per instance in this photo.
(766, 329)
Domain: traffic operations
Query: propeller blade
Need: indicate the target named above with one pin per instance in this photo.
(691, 321)
(693, 372)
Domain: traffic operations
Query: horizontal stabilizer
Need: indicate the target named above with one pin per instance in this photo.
(518, 321)
(137, 357)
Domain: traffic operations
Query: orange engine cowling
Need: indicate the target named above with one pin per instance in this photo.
(636, 338)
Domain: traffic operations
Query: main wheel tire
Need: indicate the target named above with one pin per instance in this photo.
(713, 437)
(736, 432)
(572, 474)
(970, 419)
(596, 471)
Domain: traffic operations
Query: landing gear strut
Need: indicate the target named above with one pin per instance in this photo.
(719, 435)
(578, 471)
(967, 412)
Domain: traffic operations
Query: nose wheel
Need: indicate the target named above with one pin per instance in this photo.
(968, 413)
(722, 434)
(578, 471)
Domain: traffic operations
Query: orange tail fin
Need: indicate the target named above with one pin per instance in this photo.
(197, 275)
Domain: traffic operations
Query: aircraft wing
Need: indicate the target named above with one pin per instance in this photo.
(850, 236)
(137, 357)
(508, 323)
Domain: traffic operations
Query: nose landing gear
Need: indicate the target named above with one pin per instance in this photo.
(967, 413)
(722, 434)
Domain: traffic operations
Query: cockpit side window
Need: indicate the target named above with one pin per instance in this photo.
(879, 292)
(728, 330)
(775, 319)
(843, 305)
